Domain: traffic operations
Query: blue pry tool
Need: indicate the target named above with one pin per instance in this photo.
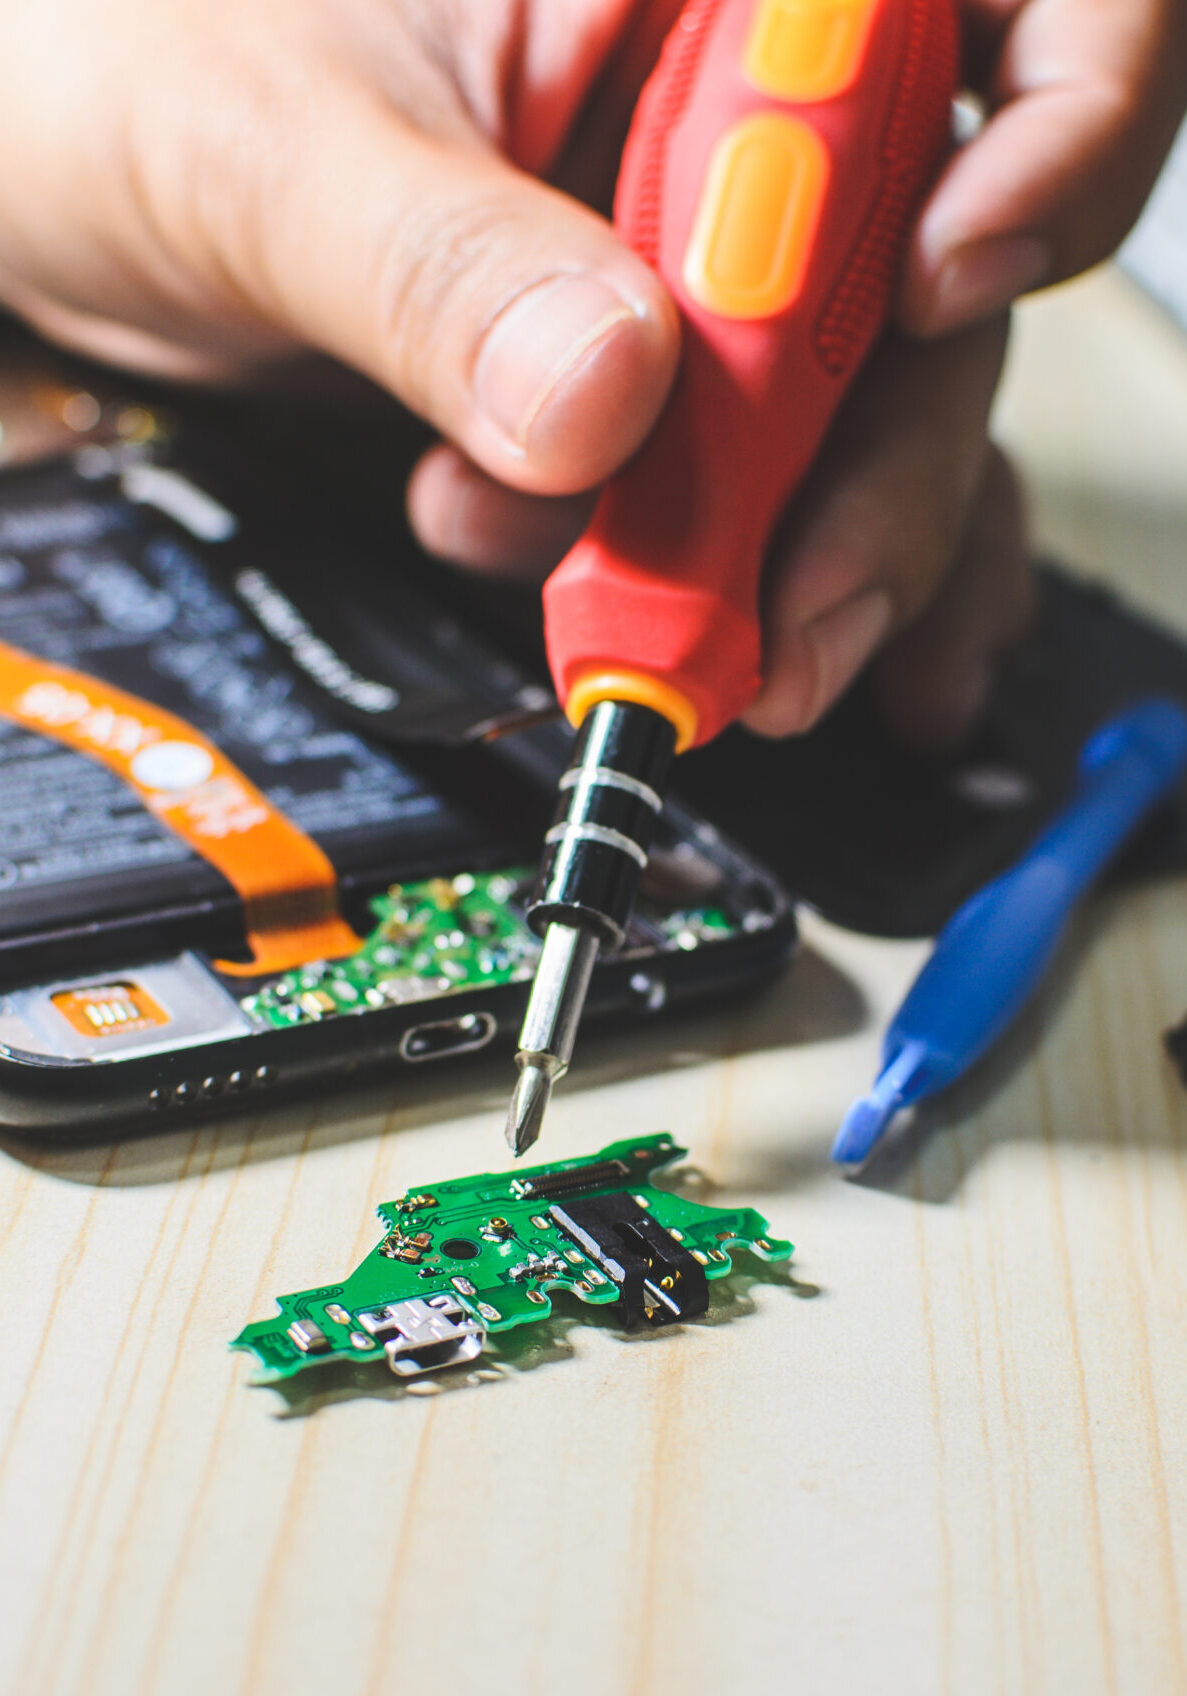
(990, 956)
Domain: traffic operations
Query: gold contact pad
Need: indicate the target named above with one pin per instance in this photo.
(109, 1008)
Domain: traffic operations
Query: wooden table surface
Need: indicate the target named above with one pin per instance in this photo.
(948, 1458)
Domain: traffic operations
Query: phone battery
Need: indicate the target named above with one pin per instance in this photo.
(111, 586)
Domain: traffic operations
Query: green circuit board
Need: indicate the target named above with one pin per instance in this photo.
(461, 1260)
(429, 938)
(465, 932)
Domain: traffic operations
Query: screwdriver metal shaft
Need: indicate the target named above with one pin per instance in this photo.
(595, 854)
(550, 1027)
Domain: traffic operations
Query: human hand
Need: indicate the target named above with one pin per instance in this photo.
(204, 186)
(909, 534)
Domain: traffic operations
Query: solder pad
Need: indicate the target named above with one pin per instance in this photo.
(474, 1256)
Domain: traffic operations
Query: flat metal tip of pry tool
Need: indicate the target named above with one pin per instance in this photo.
(525, 1118)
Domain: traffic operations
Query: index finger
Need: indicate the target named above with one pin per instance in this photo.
(1084, 99)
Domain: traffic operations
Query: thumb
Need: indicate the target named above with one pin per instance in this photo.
(506, 314)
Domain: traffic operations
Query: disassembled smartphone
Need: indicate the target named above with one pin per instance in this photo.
(254, 833)
(461, 1261)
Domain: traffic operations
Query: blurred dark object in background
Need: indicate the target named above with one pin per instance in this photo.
(882, 839)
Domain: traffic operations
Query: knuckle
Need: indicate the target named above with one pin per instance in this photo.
(197, 181)
(440, 276)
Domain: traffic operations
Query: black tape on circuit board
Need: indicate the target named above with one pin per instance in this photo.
(448, 690)
(349, 603)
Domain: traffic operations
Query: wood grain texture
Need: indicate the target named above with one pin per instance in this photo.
(948, 1458)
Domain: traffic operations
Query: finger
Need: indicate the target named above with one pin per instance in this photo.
(587, 165)
(934, 681)
(879, 522)
(112, 342)
(1085, 102)
(510, 317)
(564, 55)
(462, 515)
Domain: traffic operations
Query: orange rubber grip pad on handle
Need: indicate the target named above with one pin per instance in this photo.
(288, 886)
(777, 221)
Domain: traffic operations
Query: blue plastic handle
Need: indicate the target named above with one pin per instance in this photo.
(990, 957)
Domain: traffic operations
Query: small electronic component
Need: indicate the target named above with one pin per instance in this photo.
(657, 1278)
(107, 1008)
(424, 1335)
(487, 1253)
(308, 1337)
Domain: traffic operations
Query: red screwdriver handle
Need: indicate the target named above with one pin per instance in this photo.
(776, 161)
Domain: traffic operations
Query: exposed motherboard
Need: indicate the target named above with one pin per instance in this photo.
(461, 1260)
(466, 932)
(429, 938)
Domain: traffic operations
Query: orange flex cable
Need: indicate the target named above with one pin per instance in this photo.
(287, 884)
